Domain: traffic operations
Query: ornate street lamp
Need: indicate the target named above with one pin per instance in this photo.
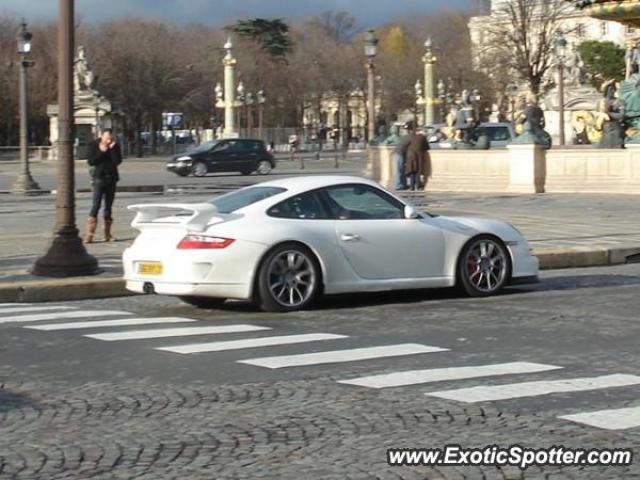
(24, 184)
(370, 51)
(261, 99)
(512, 91)
(560, 45)
(429, 59)
(66, 256)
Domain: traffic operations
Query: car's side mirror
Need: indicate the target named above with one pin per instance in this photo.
(410, 213)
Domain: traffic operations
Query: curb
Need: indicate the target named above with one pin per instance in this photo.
(87, 288)
(61, 290)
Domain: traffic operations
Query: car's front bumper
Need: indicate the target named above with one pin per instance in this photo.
(179, 168)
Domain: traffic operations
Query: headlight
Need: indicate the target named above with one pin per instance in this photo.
(184, 159)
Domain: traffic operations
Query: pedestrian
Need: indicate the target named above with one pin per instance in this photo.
(400, 155)
(104, 156)
(417, 163)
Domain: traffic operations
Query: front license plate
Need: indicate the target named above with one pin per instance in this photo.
(150, 268)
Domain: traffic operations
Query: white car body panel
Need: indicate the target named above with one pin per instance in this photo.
(384, 255)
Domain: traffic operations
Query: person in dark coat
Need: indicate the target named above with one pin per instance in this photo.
(103, 156)
(417, 161)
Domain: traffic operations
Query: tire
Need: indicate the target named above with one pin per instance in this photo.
(484, 266)
(204, 302)
(289, 279)
(246, 172)
(264, 167)
(199, 169)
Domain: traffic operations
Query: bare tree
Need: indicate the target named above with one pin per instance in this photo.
(522, 39)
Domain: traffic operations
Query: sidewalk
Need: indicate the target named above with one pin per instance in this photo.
(565, 230)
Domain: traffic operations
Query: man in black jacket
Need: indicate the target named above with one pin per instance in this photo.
(104, 156)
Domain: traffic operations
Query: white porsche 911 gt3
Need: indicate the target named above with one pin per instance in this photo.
(283, 243)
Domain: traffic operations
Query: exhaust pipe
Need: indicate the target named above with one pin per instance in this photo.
(148, 288)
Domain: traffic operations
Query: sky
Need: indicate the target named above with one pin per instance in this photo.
(222, 12)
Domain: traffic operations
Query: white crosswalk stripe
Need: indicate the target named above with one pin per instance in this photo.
(416, 377)
(532, 389)
(250, 343)
(340, 356)
(31, 309)
(62, 315)
(2, 305)
(109, 323)
(174, 332)
(617, 419)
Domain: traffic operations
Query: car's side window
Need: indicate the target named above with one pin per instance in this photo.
(362, 202)
(221, 147)
(306, 206)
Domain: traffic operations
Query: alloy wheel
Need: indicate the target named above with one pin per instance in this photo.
(486, 266)
(291, 278)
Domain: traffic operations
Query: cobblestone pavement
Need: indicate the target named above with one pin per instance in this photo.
(76, 407)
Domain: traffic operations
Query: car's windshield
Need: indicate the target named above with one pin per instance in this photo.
(205, 147)
(231, 202)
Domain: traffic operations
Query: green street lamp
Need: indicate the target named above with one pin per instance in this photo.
(560, 45)
(24, 184)
(371, 51)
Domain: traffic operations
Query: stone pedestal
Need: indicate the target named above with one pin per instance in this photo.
(528, 168)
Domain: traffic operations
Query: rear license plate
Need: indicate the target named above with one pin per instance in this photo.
(150, 268)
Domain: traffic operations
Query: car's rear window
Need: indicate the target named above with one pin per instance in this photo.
(231, 202)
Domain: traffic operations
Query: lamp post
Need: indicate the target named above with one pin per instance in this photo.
(442, 99)
(261, 99)
(238, 103)
(66, 256)
(228, 103)
(512, 91)
(476, 98)
(561, 48)
(24, 184)
(419, 96)
(370, 51)
(429, 59)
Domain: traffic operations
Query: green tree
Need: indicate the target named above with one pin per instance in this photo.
(602, 61)
(271, 35)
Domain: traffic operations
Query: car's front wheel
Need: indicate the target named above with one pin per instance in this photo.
(204, 302)
(264, 167)
(484, 266)
(289, 279)
(199, 169)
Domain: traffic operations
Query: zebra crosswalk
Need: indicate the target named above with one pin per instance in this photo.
(172, 335)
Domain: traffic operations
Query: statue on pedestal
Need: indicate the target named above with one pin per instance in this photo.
(394, 138)
(610, 118)
(630, 98)
(83, 78)
(532, 122)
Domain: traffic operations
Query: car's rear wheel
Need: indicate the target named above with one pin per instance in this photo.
(484, 266)
(204, 302)
(289, 279)
(264, 167)
(199, 169)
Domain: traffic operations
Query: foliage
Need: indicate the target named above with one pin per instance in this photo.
(602, 61)
(271, 35)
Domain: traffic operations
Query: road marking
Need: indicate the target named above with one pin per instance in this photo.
(14, 304)
(32, 309)
(64, 315)
(532, 389)
(618, 419)
(109, 323)
(174, 332)
(415, 377)
(340, 356)
(250, 343)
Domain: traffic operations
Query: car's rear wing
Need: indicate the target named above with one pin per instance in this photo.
(194, 216)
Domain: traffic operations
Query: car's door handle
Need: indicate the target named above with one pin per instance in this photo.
(349, 237)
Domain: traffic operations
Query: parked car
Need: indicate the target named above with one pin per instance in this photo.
(229, 155)
(499, 134)
(284, 243)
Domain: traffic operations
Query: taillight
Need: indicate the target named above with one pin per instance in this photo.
(202, 242)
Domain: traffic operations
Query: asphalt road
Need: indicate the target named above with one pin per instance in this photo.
(115, 406)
